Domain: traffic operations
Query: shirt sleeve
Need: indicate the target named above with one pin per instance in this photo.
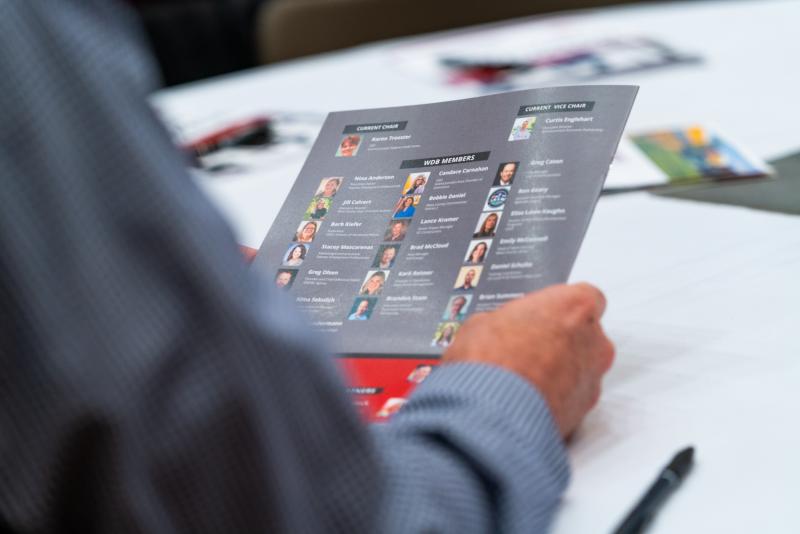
(151, 383)
(474, 450)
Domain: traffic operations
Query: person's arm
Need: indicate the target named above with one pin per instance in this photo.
(488, 425)
(474, 450)
(151, 384)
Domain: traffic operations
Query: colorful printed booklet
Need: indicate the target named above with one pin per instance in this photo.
(680, 156)
(405, 221)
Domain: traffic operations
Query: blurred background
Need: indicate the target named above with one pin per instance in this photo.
(196, 39)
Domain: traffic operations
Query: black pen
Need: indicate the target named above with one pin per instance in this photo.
(668, 480)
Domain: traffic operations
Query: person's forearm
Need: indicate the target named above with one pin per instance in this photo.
(474, 450)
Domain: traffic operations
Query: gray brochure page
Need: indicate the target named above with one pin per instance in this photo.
(405, 221)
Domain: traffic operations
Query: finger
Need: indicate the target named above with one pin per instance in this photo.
(608, 354)
(597, 297)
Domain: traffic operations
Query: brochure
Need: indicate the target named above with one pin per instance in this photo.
(405, 221)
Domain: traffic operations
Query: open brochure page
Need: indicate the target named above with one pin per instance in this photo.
(405, 221)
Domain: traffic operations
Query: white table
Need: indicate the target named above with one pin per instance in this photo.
(703, 299)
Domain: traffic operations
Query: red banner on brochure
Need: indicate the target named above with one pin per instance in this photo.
(379, 386)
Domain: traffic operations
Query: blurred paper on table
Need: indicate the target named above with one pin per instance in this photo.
(680, 156)
(515, 56)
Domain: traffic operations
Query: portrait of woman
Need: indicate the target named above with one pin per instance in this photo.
(446, 335)
(488, 227)
(405, 208)
(478, 252)
(318, 208)
(373, 285)
(296, 255)
(415, 184)
(328, 187)
(307, 232)
(349, 146)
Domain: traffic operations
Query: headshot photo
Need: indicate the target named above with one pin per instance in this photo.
(348, 147)
(415, 183)
(396, 231)
(391, 407)
(522, 129)
(386, 256)
(373, 283)
(487, 224)
(445, 334)
(295, 255)
(477, 251)
(362, 309)
(285, 278)
(307, 231)
(318, 208)
(456, 309)
(420, 373)
(328, 187)
(405, 207)
(496, 199)
(468, 278)
(505, 173)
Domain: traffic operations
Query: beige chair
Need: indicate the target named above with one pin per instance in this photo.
(293, 28)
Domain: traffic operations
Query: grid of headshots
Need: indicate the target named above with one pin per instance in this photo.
(484, 233)
(307, 230)
(387, 254)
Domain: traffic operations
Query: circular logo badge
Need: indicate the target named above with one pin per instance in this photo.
(498, 198)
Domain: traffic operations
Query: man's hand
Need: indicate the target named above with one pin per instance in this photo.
(553, 339)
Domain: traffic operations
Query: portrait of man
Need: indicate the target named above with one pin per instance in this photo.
(285, 278)
(456, 309)
(522, 129)
(396, 231)
(468, 278)
(362, 309)
(505, 173)
(348, 147)
(386, 256)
